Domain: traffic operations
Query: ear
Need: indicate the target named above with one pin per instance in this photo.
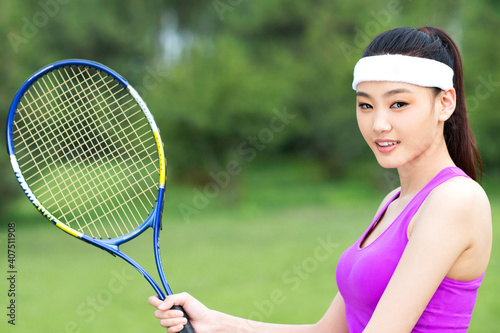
(446, 103)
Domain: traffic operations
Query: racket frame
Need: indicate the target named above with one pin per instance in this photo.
(153, 220)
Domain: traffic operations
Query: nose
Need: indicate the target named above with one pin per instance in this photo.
(381, 122)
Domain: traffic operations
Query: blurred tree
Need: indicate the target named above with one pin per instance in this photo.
(481, 69)
(122, 34)
(300, 55)
(230, 81)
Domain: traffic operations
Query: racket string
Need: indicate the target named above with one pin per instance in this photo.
(119, 137)
(43, 143)
(56, 163)
(112, 222)
(67, 175)
(86, 149)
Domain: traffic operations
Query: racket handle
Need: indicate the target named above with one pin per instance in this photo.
(187, 328)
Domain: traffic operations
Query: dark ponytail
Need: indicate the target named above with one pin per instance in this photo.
(434, 43)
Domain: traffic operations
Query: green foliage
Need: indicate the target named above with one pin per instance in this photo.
(261, 55)
(216, 74)
(36, 33)
(480, 51)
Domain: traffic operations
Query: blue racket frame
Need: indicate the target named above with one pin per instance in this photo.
(154, 219)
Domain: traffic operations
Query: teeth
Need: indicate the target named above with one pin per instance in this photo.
(386, 144)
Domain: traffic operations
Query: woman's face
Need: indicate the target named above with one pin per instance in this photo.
(398, 121)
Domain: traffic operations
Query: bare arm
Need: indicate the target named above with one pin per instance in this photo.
(334, 319)
(455, 219)
(206, 320)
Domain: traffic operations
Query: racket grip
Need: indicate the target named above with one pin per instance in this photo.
(187, 328)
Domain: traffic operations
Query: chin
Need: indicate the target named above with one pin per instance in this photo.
(388, 166)
(388, 163)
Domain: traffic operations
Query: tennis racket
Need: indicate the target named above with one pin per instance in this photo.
(88, 154)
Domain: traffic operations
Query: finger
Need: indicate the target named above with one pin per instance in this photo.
(173, 323)
(160, 314)
(164, 306)
(175, 329)
(169, 301)
(154, 301)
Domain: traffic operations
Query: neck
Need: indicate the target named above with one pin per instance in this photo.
(415, 174)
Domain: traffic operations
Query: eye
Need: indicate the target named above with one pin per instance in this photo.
(398, 105)
(364, 106)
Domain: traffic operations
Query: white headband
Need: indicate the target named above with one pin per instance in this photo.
(401, 68)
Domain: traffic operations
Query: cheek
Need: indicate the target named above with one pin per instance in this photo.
(364, 125)
(419, 134)
(421, 127)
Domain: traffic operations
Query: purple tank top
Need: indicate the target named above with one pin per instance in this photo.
(363, 274)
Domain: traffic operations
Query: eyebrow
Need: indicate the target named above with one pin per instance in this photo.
(388, 93)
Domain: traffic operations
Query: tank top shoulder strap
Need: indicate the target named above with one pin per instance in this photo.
(420, 197)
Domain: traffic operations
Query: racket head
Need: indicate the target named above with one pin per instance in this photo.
(87, 152)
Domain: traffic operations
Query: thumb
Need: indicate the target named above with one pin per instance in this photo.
(176, 299)
(158, 303)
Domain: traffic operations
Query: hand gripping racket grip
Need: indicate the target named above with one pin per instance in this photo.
(187, 328)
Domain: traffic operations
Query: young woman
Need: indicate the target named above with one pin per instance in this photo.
(418, 266)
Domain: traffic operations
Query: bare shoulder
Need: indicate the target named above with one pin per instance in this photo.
(462, 193)
(461, 198)
(457, 216)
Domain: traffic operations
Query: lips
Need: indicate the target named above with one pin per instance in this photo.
(386, 146)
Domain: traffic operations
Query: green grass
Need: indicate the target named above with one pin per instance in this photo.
(251, 251)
